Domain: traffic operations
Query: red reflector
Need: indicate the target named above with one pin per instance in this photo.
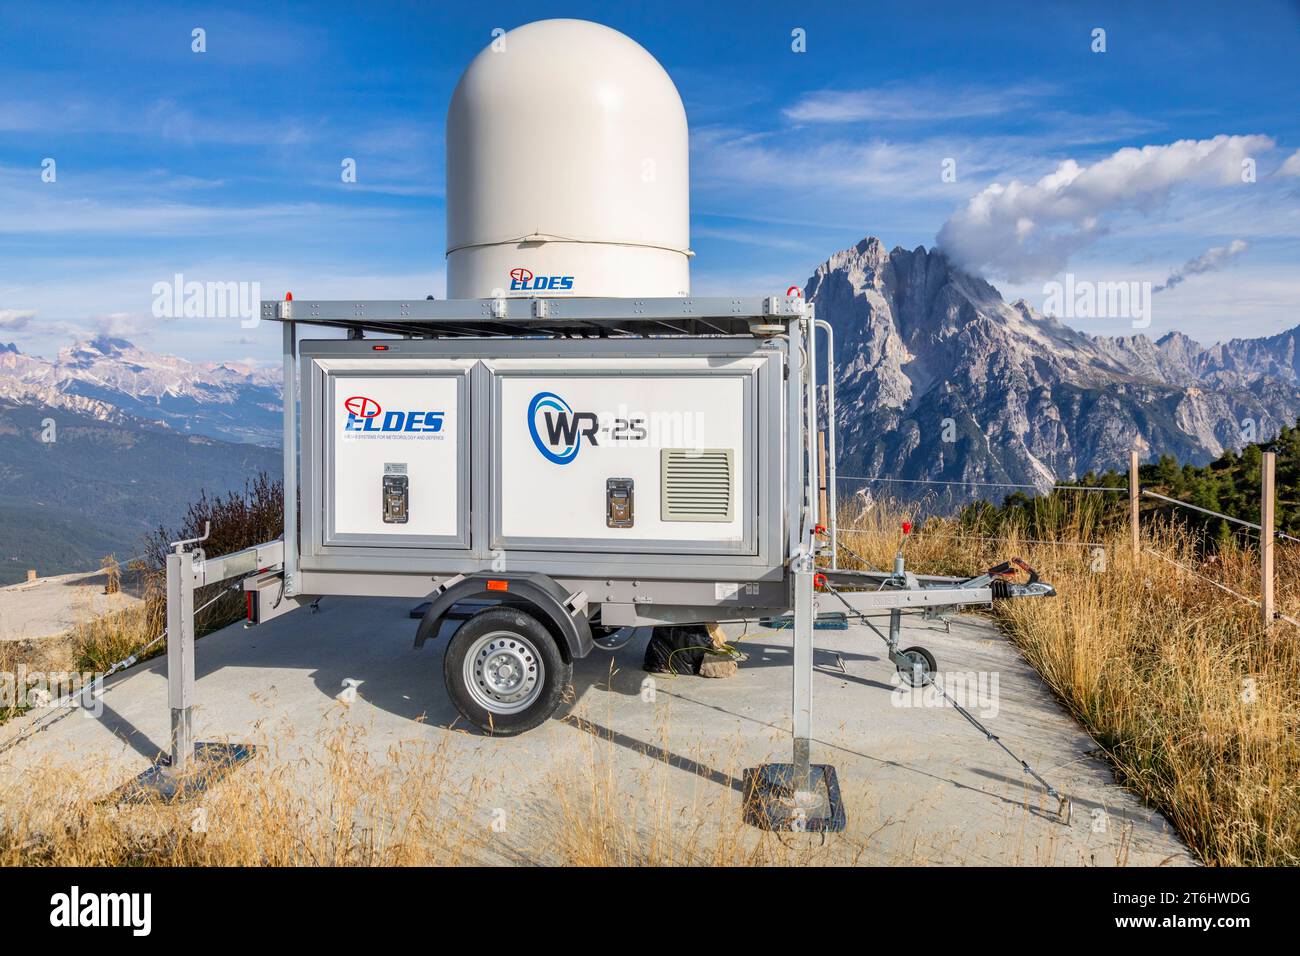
(379, 348)
(498, 586)
(249, 596)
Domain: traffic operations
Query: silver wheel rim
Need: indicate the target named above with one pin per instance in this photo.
(917, 673)
(504, 672)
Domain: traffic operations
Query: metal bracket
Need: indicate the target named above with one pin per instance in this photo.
(577, 602)
(784, 305)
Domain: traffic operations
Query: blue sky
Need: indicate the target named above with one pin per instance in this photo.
(224, 166)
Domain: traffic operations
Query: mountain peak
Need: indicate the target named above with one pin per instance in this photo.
(924, 350)
(10, 347)
(108, 345)
(871, 246)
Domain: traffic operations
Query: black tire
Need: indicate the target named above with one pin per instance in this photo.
(930, 664)
(525, 645)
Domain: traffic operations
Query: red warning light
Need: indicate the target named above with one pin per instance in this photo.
(288, 297)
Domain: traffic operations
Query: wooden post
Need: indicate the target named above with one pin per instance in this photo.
(824, 511)
(1134, 491)
(1266, 535)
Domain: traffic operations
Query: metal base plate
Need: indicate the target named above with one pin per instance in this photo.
(771, 802)
(212, 762)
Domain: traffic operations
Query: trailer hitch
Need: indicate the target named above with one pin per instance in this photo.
(996, 579)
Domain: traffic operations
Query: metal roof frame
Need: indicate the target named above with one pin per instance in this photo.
(557, 316)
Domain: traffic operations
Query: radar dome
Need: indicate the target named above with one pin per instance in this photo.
(567, 169)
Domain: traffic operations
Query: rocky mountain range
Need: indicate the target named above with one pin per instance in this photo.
(112, 380)
(938, 378)
(104, 443)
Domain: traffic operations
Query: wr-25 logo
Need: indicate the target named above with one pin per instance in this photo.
(557, 430)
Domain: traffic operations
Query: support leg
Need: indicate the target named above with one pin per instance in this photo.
(180, 657)
(799, 795)
(290, 461)
(803, 668)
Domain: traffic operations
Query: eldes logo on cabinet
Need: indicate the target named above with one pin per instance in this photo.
(365, 416)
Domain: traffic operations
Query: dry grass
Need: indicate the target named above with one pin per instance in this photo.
(603, 811)
(344, 807)
(1196, 706)
(1194, 703)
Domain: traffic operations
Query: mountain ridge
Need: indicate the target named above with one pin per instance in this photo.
(112, 379)
(939, 378)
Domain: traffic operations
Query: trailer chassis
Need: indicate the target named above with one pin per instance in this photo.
(799, 795)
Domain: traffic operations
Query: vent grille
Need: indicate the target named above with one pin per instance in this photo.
(696, 484)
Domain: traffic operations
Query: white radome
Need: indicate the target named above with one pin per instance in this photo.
(567, 169)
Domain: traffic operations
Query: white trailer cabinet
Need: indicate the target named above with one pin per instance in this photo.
(649, 458)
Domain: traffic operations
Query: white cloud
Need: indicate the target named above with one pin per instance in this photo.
(16, 318)
(1026, 230)
(1209, 261)
(1292, 165)
(123, 325)
(729, 161)
(921, 103)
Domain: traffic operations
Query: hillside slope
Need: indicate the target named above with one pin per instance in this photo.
(101, 485)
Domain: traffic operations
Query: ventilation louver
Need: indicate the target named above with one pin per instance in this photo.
(696, 484)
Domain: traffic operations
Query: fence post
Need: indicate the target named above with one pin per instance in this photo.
(1266, 535)
(1133, 493)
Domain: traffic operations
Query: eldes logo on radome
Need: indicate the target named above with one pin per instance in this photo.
(366, 415)
(523, 280)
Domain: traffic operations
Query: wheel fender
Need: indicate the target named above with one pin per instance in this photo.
(531, 591)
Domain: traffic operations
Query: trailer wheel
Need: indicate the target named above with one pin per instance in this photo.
(917, 659)
(504, 671)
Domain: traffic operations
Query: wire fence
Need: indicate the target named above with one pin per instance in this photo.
(1135, 491)
(1196, 574)
(974, 537)
(976, 484)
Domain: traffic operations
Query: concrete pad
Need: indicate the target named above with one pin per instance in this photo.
(920, 785)
(49, 607)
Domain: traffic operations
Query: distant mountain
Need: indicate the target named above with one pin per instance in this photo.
(109, 378)
(102, 484)
(938, 378)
